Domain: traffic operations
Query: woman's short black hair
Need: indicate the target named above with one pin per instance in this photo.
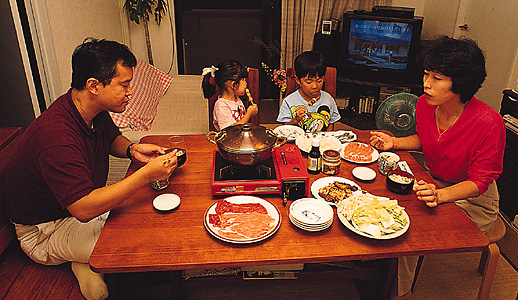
(98, 59)
(460, 59)
(310, 63)
(231, 69)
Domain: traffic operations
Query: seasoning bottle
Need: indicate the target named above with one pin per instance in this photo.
(331, 162)
(314, 157)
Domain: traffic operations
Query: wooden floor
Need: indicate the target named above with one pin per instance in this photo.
(21, 278)
(445, 276)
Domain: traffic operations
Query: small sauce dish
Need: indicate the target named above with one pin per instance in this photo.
(364, 173)
(166, 202)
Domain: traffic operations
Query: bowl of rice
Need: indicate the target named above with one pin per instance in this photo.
(400, 182)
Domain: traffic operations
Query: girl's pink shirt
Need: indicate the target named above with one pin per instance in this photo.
(227, 112)
(470, 150)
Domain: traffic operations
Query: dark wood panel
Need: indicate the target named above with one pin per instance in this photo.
(8, 137)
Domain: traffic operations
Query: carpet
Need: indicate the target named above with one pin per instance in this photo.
(443, 277)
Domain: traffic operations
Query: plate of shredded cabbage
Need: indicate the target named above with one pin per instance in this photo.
(373, 216)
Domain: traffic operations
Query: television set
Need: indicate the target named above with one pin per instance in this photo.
(380, 48)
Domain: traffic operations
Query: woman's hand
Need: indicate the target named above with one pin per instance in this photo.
(426, 192)
(382, 141)
(146, 152)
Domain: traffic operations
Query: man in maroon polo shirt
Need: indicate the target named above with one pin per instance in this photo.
(57, 198)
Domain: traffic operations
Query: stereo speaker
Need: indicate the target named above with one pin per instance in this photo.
(329, 46)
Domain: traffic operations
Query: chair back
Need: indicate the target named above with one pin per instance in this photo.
(329, 84)
(253, 86)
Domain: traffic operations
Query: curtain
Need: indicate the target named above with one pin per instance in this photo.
(301, 19)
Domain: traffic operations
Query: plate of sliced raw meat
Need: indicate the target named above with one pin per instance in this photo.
(242, 219)
(360, 153)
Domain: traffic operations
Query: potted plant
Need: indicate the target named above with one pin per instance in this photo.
(139, 10)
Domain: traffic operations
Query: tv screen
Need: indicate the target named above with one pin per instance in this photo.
(379, 48)
(379, 44)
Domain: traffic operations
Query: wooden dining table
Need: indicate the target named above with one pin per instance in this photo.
(138, 238)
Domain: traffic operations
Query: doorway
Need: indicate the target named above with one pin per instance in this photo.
(209, 31)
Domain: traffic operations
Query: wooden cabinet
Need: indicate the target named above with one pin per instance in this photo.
(358, 100)
(507, 183)
(8, 138)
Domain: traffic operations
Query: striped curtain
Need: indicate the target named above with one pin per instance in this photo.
(301, 19)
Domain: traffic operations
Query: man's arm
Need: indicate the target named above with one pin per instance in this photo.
(140, 152)
(106, 198)
(119, 145)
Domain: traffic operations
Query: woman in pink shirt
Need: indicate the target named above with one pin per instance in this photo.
(462, 138)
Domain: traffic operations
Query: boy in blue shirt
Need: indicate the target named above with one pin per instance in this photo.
(309, 107)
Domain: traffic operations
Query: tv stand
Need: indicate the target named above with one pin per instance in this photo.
(358, 100)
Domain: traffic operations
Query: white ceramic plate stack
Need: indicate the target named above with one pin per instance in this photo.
(311, 214)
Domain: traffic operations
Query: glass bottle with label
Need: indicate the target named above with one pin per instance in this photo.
(331, 162)
(314, 157)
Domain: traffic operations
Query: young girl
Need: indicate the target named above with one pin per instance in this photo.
(230, 79)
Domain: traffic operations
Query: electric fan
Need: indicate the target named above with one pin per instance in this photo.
(397, 114)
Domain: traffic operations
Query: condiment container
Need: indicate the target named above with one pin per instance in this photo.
(400, 182)
(331, 162)
(314, 157)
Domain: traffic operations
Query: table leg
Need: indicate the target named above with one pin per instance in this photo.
(387, 277)
(177, 287)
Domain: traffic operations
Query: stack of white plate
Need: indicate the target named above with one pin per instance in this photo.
(311, 214)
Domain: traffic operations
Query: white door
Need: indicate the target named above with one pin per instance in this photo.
(493, 24)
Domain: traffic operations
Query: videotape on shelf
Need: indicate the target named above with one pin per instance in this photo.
(511, 123)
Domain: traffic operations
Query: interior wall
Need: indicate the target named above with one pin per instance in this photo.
(76, 20)
(162, 38)
(438, 18)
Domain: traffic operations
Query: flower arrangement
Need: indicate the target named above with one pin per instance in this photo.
(277, 76)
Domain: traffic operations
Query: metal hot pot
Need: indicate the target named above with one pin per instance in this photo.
(245, 144)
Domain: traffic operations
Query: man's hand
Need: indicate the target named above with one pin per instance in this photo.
(146, 152)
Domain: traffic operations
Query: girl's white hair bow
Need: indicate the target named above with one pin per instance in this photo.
(210, 69)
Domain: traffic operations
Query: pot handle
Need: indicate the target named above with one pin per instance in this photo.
(209, 134)
(282, 140)
(218, 136)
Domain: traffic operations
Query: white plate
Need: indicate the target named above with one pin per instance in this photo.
(364, 173)
(272, 211)
(344, 136)
(322, 182)
(374, 155)
(326, 142)
(290, 132)
(166, 202)
(389, 236)
(311, 212)
(310, 228)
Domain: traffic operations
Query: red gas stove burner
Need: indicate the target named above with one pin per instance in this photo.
(283, 173)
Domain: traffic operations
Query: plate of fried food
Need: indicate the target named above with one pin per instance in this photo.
(373, 216)
(334, 189)
(360, 153)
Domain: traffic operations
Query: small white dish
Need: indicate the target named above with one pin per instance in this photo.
(166, 202)
(311, 212)
(364, 173)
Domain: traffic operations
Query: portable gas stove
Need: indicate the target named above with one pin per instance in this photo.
(283, 173)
